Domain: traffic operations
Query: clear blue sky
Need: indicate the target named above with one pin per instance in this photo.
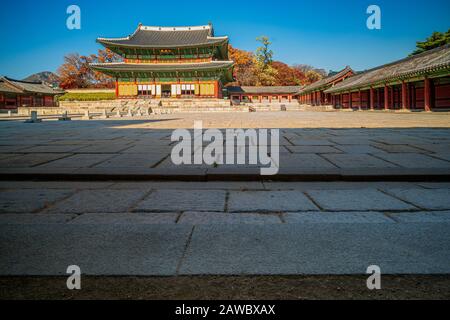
(327, 34)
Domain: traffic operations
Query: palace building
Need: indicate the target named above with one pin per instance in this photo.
(314, 93)
(19, 93)
(272, 94)
(418, 82)
(169, 62)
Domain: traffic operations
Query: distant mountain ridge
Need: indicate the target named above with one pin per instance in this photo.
(45, 76)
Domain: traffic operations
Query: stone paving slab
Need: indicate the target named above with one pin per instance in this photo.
(122, 249)
(195, 185)
(313, 149)
(11, 184)
(431, 199)
(318, 249)
(200, 218)
(419, 217)
(98, 201)
(30, 159)
(31, 200)
(357, 161)
(357, 200)
(307, 161)
(137, 160)
(126, 218)
(336, 217)
(273, 201)
(183, 200)
(78, 161)
(398, 148)
(414, 160)
(359, 149)
(35, 218)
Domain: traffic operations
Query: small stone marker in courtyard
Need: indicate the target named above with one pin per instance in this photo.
(104, 114)
(87, 116)
(33, 118)
(9, 113)
(130, 114)
(118, 114)
(64, 117)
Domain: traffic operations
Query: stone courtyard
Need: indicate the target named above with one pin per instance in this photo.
(104, 195)
(339, 145)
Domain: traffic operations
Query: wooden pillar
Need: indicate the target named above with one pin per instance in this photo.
(359, 99)
(371, 98)
(386, 97)
(216, 89)
(341, 101)
(117, 88)
(427, 94)
(290, 98)
(350, 99)
(378, 98)
(404, 95)
(391, 104)
(409, 96)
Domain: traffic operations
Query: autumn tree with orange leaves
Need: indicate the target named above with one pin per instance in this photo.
(246, 71)
(76, 73)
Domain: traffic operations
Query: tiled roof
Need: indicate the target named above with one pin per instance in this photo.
(268, 90)
(327, 80)
(8, 88)
(424, 63)
(148, 67)
(167, 37)
(19, 86)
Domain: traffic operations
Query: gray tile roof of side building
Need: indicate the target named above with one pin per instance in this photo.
(20, 86)
(430, 61)
(327, 80)
(262, 90)
(167, 37)
(122, 66)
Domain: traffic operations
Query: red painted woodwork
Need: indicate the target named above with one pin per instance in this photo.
(427, 94)
(442, 95)
(404, 96)
(386, 97)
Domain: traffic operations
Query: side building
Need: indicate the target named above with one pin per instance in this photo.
(419, 82)
(18, 93)
(314, 94)
(271, 94)
(169, 62)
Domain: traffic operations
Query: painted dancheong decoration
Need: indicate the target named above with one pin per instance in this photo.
(169, 62)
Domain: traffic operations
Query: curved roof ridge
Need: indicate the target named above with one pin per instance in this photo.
(373, 75)
(175, 28)
(22, 81)
(328, 79)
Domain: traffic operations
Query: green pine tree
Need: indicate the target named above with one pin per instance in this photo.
(436, 40)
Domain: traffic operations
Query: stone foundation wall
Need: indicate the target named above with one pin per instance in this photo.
(161, 106)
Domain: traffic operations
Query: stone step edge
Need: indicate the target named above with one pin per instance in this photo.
(203, 175)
